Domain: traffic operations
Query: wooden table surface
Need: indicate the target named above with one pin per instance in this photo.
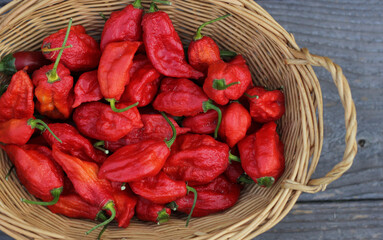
(351, 33)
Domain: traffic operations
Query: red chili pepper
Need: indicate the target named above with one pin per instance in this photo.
(137, 161)
(124, 25)
(139, 61)
(262, 155)
(265, 106)
(152, 212)
(202, 123)
(98, 121)
(14, 62)
(159, 189)
(197, 159)
(47, 184)
(235, 122)
(227, 81)
(182, 97)
(203, 51)
(143, 86)
(155, 128)
(83, 175)
(125, 203)
(87, 89)
(17, 101)
(73, 143)
(164, 47)
(84, 53)
(216, 196)
(114, 70)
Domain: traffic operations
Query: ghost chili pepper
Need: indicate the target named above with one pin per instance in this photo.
(54, 84)
(98, 121)
(262, 155)
(265, 106)
(202, 123)
(87, 89)
(202, 50)
(182, 97)
(227, 81)
(125, 203)
(114, 70)
(14, 62)
(152, 212)
(46, 185)
(164, 47)
(124, 25)
(137, 161)
(83, 175)
(235, 173)
(17, 100)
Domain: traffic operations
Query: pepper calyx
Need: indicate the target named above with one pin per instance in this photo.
(220, 84)
(162, 216)
(265, 181)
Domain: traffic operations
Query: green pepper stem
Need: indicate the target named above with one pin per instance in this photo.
(9, 172)
(162, 216)
(101, 232)
(251, 96)
(34, 124)
(220, 84)
(227, 53)
(137, 4)
(265, 181)
(108, 206)
(153, 8)
(44, 50)
(190, 189)
(123, 186)
(233, 158)
(172, 205)
(103, 16)
(163, 2)
(98, 145)
(171, 141)
(52, 74)
(112, 102)
(244, 178)
(101, 216)
(206, 106)
(56, 192)
(198, 34)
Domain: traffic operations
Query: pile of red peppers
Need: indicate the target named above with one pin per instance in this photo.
(135, 125)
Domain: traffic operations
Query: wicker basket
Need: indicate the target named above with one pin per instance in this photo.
(274, 59)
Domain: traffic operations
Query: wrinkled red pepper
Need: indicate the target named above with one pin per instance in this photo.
(197, 159)
(124, 25)
(98, 121)
(139, 61)
(227, 81)
(262, 155)
(155, 128)
(87, 89)
(152, 212)
(216, 196)
(265, 106)
(235, 122)
(137, 161)
(28, 159)
(125, 203)
(164, 47)
(17, 100)
(14, 62)
(202, 123)
(83, 175)
(84, 54)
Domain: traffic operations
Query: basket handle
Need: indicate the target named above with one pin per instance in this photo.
(320, 184)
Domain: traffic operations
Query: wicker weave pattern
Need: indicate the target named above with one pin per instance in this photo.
(274, 59)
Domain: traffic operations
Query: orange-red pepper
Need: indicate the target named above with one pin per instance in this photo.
(152, 212)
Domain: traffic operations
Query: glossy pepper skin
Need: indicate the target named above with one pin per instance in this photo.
(54, 100)
(87, 89)
(180, 97)
(216, 196)
(152, 212)
(98, 121)
(73, 143)
(84, 54)
(114, 70)
(202, 53)
(202, 123)
(125, 203)
(235, 122)
(159, 189)
(15, 131)
(155, 128)
(227, 81)
(197, 159)
(262, 155)
(17, 61)
(164, 47)
(143, 86)
(27, 159)
(124, 25)
(17, 100)
(265, 106)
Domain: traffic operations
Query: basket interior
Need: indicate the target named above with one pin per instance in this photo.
(249, 32)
